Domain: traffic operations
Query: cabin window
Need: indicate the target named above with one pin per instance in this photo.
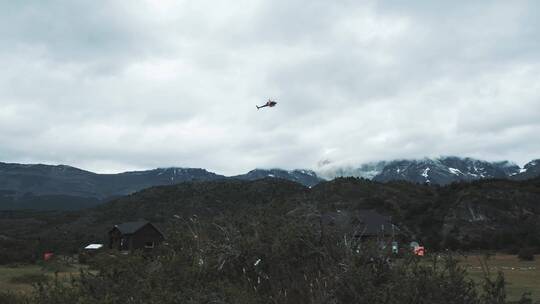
(149, 245)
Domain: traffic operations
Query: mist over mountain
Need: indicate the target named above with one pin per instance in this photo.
(368, 171)
(443, 171)
(63, 187)
(440, 171)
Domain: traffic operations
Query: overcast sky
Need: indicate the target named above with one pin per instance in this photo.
(111, 86)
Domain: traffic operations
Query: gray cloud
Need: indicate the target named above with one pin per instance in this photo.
(116, 85)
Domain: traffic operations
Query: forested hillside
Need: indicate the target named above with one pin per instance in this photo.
(490, 214)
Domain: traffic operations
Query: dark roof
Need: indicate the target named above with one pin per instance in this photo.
(131, 227)
(374, 223)
(368, 222)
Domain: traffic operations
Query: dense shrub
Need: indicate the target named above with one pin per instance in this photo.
(268, 255)
(526, 254)
(17, 251)
(56, 264)
(12, 298)
(264, 259)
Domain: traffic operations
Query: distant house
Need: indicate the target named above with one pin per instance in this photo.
(368, 224)
(135, 235)
(375, 225)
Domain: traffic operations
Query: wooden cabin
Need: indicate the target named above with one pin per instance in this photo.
(369, 224)
(374, 225)
(130, 236)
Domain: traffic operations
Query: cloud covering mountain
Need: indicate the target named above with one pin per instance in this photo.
(112, 86)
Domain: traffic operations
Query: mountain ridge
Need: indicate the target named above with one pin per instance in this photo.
(441, 170)
(51, 187)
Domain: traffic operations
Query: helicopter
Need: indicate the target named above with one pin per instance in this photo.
(270, 103)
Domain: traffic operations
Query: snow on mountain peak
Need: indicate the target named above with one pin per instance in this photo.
(426, 172)
(455, 171)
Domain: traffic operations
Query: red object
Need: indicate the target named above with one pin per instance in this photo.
(47, 256)
(419, 251)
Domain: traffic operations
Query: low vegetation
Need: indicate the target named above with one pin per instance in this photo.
(268, 259)
(266, 242)
(520, 276)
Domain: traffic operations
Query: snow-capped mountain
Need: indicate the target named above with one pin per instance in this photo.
(64, 187)
(305, 177)
(530, 170)
(445, 170)
(442, 170)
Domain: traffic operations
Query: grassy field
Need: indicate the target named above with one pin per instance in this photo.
(15, 278)
(520, 276)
